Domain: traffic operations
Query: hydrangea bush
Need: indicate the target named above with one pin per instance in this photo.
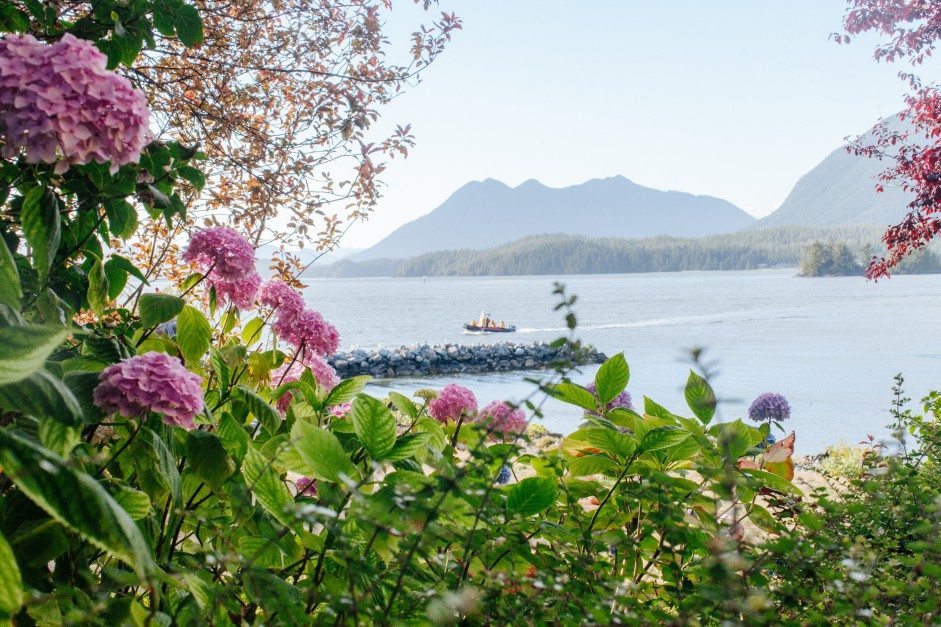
(187, 456)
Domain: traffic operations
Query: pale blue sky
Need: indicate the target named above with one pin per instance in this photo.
(733, 98)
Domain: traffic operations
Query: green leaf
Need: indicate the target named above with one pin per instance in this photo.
(661, 438)
(193, 334)
(24, 349)
(117, 278)
(134, 502)
(320, 453)
(10, 291)
(122, 218)
(267, 486)
(251, 332)
(612, 378)
(42, 395)
(700, 397)
(234, 437)
(574, 395)
(76, 500)
(97, 287)
(206, 456)
(347, 390)
(734, 438)
(532, 496)
(163, 19)
(124, 264)
(374, 425)
(773, 481)
(12, 595)
(58, 437)
(407, 446)
(39, 218)
(157, 308)
(194, 176)
(403, 404)
(590, 464)
(156, 466)
(267, 415)
(188, 25)
(609, 441)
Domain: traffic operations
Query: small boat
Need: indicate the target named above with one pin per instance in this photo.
(487, 324)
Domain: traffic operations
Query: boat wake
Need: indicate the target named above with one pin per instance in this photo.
(639, 324)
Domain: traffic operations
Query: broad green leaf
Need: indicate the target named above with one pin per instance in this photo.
(220, 367)
(97, 287)
(532, 496)
(574, 395)
(58, 437)
(609, 441)
(157, 308)
(591, 464)
(117, 278)
(346, 390)
(612, 378)
(267, 415)
(773, 481)
(407, 446)
(403, 404)
(234, 437)
(268, 488)
(188, 25)
(134, 502)
(39, 218)
(734, 438)
(76, 500)
(196, 178)
(661, 438)
(205, 453)
(156, 466)
(193, 334)
(700, 397)
(42, 395)
(10, 291)
(251, 332)
(11, 582)
(322, 454)
(24, 349)
(374, 425)
(122, 218)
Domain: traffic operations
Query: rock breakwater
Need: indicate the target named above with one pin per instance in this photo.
(419, 360)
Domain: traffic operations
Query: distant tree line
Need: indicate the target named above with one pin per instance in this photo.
(564, 254)
(836, 258)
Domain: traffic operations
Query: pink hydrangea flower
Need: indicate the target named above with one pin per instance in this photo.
(453, 401)
(240, 292)
(221, 252)
(324, 373)
(60, 100)
(307, 328)
(339, 411)
(500, 418)
(621, 400)
(150, 382)
(306, 486)
(281, 296)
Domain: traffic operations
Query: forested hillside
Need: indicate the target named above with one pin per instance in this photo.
(564, 254)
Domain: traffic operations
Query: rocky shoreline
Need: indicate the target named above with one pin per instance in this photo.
(422, 360)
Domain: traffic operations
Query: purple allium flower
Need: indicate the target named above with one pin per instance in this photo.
(500, 418)
(221, 252)
(151, 382)
(281, 296)
(769, 407)
(621, 400)
(306, 486)
(60, 99)
(307, 328)
(453, 401)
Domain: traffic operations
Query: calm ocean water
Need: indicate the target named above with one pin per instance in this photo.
(830, 345)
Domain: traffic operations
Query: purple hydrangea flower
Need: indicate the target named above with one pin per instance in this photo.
(281, 296)
(240, 292)
(504, 477)
(621, 400)
(500, 418)
(306, 486)
(307, 328)
(339, 411)
(60, 100)
(221, 252)
(769, 407)
(151, 382)
(453, 401)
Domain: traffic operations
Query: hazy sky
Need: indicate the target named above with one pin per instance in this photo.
(733, 98)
